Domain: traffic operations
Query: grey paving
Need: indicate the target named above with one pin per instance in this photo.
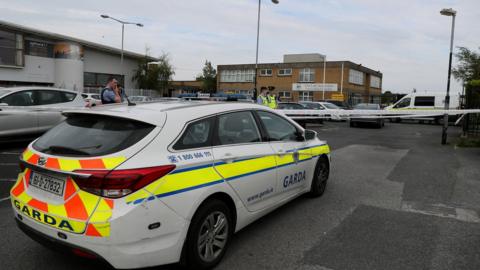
(375, 238)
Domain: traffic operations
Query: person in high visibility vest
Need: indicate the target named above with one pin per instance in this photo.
(272, 100)
(262, 99)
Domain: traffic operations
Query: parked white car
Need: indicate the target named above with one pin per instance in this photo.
(159, 183)
(140, 99)
(29, 110)
(92, 98)
(326, 106)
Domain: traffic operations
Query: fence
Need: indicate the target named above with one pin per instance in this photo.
(129, 92)
(471, 124)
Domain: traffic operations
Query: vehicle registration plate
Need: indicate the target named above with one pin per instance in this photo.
(47, 183)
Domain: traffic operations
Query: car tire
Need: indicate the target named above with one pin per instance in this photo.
(210, 216)
(320, 177)
(352, 124)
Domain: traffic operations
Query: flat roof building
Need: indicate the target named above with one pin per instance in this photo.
(301, 78)
(33, 57)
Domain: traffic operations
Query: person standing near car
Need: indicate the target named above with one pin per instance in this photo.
(262, 98)
(111, 92)
(272, 100)
(121, 92)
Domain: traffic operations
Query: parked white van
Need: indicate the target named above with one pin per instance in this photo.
(432, 100)
(425, 101)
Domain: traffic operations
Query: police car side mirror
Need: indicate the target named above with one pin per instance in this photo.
(310, 134)
(299, 136)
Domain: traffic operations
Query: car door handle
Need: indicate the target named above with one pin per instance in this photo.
(228, 158)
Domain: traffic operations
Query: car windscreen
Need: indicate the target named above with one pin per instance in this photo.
(313, 106)
(92, 135)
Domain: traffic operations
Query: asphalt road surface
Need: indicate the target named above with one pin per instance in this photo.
(396, 199)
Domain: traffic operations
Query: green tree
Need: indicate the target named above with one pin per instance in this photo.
(208, 77)
(154, 75)
(164, 71)
(142, 76)
(468, 67)
(387, 97)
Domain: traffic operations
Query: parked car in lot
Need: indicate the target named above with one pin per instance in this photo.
(326, 106)
(378, 122)
(160, 183)
(139, 99)
(92, 99)
(341, 104)
(302, 118)
(29, 110)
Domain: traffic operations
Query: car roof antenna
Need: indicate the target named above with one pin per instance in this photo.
(128, 100)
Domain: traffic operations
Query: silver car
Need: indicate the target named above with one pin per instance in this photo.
(29, 110)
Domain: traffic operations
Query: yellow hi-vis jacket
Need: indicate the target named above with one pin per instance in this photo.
(264, 100)
(272, 101)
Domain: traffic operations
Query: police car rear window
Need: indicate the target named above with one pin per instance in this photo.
(92, 135)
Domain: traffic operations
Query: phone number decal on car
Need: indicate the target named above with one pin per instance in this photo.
(189, 156)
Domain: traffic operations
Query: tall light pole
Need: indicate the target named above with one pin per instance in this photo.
(452, 13)
(324, 68)
(256, 54)
(123, 30)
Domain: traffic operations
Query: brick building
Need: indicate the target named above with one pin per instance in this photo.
(300, 77)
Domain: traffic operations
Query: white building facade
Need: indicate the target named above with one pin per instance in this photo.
(33, 57)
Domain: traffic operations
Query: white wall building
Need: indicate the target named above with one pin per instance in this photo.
(33, 57)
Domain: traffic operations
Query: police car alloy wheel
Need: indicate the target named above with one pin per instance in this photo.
(209, 235)
(319, 182)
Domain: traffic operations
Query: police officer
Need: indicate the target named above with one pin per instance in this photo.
(262, 99)
(111, 93)
(272, 99)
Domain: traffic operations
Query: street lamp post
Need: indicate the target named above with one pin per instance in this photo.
(123, 31)
(452, 13)
(256, 53)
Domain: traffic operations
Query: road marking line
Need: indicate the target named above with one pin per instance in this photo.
(5, 199)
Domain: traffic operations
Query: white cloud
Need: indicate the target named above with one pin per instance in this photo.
(406, 40)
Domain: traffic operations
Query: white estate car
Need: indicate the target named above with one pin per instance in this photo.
(32, 109)
(326, 106)
(140, 99)
(161, 183)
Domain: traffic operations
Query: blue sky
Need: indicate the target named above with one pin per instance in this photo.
(408, 41)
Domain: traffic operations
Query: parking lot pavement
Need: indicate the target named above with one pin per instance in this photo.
(396, 199)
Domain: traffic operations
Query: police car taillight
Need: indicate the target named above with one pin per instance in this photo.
(118, 183)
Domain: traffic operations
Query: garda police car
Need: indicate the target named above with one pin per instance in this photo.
(162, 183)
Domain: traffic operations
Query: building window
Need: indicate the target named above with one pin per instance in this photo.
(246, 75)
(266, 72)
(285, 72)
(285, 95)
(355, 77)
(91, 79)
(305, 96)
(307, 75)
(375, 81)
(11, 49)
(38, 48)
